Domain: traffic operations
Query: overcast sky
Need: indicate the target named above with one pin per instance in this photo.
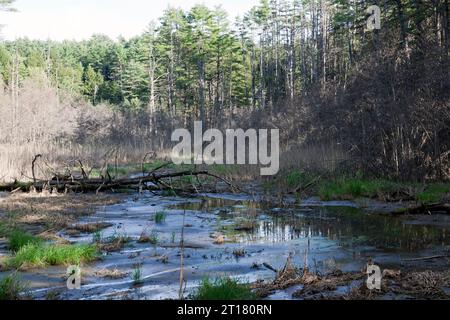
(79, 19)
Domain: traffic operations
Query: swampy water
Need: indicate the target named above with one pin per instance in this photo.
(327, 235)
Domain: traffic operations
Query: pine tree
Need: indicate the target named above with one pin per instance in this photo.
(92, 82)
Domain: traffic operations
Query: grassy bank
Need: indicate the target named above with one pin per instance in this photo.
(328, 185)
(346, 187)
(42, 255)
(353, 188)
(29, 251)
(24, 216)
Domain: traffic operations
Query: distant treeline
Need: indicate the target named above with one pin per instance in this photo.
(197, 61)
(309, 67)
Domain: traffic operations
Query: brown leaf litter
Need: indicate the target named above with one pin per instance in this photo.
(37, 213)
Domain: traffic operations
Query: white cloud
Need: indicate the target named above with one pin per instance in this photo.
(68, 19)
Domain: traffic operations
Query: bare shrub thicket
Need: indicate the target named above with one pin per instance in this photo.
(36, 115)
(43, 120)
(391, 118)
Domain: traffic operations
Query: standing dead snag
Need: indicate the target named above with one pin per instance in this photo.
(32, 167)
(83, 172)
(182, 279)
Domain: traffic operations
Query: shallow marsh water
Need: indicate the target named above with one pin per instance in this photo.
(328, 235)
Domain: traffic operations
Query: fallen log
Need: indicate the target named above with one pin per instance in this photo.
(435, 208)
(153, 181)
(15, 187)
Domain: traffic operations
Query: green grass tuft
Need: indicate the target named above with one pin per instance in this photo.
(160, 217)
(137, 275)
(19, 239)
(97, 237)
(10, 287)
(294, 178)
(351, 188)
(40, 255)
(153, 238)
(223, 289)
(434, 193)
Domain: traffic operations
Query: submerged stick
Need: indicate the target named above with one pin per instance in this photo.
(182, 282)
(268, 266)
(428, 258)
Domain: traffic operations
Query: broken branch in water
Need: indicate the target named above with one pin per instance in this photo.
(436, 208)
(268, 266)
(428, 258)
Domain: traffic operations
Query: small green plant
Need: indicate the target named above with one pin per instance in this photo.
(434, 193)
(137, 274)
(223, 289)
(97, 237)
(294, 178)
(41, 255)
(19, 239)
(10, 287)
(160, 217)
(117, 237)
(153, 238)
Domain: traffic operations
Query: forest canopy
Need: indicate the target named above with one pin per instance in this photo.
(199, 59)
